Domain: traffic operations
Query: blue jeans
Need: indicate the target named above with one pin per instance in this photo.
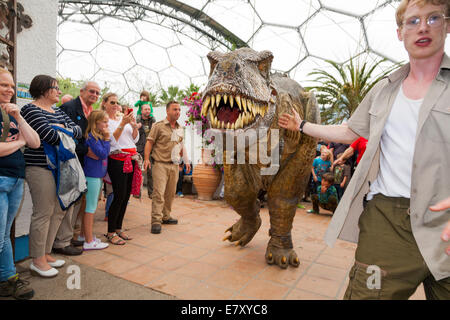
(11, 192)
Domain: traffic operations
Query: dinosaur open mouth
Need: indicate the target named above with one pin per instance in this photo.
(227, 111)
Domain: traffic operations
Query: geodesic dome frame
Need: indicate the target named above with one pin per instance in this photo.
(121, 42)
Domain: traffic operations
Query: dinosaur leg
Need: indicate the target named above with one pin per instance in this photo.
(283, 196)
(241, 191)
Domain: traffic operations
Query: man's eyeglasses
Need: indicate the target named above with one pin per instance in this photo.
(92, 91)
(56, 88)
(434, 20)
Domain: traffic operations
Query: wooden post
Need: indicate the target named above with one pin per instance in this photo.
(13, 59)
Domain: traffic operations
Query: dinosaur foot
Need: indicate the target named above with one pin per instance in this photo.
(243, 231)
(281, 257)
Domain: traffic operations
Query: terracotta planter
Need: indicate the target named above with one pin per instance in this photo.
(206, 179)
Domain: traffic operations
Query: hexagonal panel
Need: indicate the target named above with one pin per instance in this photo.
(283, 42)
(113, 80)
(335, 36)
(76, 65)
(185, 60)
(150, 56)
(173, 77)
(77, 36)
(382, 34)
(156, 34)
(286, 12)
(113, 57)
(356, 7)
(117, 31)
(139, 77)
(237, 16)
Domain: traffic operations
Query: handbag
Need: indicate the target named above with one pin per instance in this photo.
(6, 126)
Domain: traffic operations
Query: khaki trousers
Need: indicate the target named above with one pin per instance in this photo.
(47, 213)
(165, 177)
(67, 227)
(388, 263)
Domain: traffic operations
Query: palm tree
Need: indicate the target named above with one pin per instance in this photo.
(172, 93)
(340, 96)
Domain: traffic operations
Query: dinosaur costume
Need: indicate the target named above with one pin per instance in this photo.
(242, 95)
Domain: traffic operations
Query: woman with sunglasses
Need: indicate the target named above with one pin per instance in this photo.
(121, 164)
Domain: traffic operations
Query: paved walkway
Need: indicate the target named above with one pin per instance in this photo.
(190, 260)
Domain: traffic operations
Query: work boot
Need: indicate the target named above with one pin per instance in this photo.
(17, 288)
(170, 221)
(156, 228)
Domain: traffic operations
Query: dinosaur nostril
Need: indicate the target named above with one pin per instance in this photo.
(236, 69)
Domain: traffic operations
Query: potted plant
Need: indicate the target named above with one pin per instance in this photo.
(206, 175)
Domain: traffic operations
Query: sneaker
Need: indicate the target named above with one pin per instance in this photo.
(300, 206)
(17, 288)
(95, 245)
(312, 211)
(180, 194)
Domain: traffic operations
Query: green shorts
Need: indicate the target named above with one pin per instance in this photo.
(388, 263)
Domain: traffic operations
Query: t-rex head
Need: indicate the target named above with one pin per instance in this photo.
(239, 94)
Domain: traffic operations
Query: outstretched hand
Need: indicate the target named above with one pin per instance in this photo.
(290, 122)
(440, 206)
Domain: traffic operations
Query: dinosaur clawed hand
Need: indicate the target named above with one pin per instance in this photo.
(243, 231)
(282, 257)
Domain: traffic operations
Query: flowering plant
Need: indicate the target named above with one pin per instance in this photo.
(194, 102)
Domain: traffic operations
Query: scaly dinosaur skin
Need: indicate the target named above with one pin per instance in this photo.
(242, 95)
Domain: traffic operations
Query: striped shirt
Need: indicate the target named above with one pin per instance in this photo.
(41, 120)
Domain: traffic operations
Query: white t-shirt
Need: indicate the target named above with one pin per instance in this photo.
(126, 140)
(397, 149)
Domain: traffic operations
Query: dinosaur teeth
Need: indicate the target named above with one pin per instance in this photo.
(213, 101)
(231, 101)
(244, 104)
(225, 98)
(218, 97)
(205, 105)
(238, 101)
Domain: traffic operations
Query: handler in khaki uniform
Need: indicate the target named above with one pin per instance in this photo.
(405, 169)
(165, 143)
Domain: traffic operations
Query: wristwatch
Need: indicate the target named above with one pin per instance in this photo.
(302, 124)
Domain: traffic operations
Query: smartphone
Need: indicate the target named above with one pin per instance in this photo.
(130, 110)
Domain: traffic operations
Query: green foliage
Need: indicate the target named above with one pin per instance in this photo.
(175, 93)
(339, 97)
(72, 87)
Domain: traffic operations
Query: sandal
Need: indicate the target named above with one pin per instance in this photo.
(123, 235)
(118, 241)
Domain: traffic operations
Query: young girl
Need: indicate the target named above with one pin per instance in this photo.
(144, 98)
(98, 140)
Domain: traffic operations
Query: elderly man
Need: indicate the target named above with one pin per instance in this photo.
(405, 169)
(78, 110)
(165, 143)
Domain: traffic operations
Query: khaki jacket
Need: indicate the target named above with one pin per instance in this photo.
(430, 181)
(167, 142)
